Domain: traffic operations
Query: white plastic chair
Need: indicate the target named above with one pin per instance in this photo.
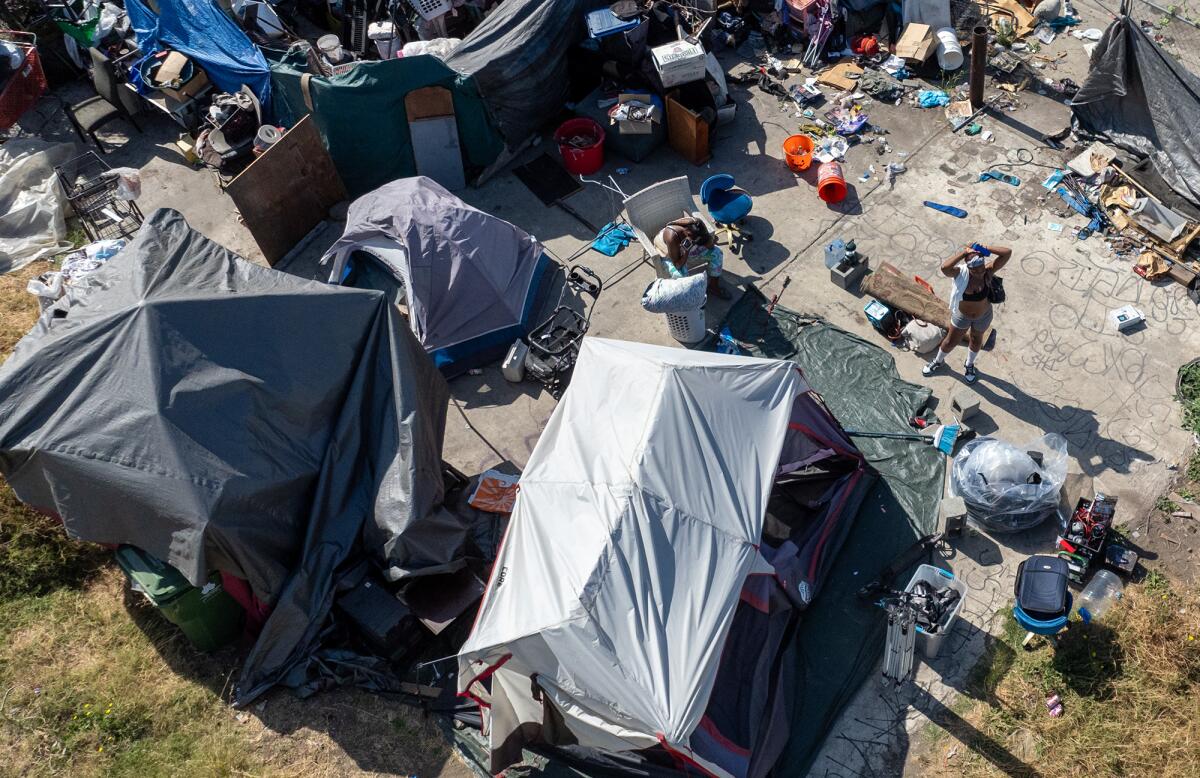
(656, 206)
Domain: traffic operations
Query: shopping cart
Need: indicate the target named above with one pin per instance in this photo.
(91, 188)
(26, 84)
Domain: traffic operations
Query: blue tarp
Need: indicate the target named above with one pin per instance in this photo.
(201, 30)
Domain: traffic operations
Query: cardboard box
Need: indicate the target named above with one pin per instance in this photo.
(630, 127)
(173, 65)
(844, 76)
(916, 44)
(678, 63)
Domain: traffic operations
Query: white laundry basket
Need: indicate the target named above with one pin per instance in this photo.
(686, 327)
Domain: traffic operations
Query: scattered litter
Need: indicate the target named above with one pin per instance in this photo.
(996, 175)
(495, 493)
(932, 98)
(830, 149)
(954, 211)
(622, 171)
(1055, 227)
(974, 128)
(867, 175)
(1090, 34)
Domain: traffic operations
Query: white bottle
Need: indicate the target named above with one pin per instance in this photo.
(1098, 597)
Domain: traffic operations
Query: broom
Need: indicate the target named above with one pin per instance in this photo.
(944, 437)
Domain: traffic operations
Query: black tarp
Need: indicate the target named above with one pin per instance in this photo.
(223, 415)
(1141, 99)
(518, 59)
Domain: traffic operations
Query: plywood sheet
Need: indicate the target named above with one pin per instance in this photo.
(287, 191)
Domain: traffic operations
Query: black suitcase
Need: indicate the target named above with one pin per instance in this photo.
(1041, 587)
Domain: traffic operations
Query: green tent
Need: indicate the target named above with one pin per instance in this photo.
(362, 120)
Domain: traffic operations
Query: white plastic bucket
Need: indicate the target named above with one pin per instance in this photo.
(686, 327)
(949, 53)
(384, 36)
(331, 47)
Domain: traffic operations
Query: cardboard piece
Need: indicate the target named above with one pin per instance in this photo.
(172, 66)
(844, 76)
(428, 103)
(632, 126)
(916, 44)
(1093, 159)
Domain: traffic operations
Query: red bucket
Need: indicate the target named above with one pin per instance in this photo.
(831, 184)
(581, 143)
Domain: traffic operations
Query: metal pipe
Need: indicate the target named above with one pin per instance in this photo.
(979, 50)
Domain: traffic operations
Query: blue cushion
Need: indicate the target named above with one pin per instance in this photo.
(728, 206)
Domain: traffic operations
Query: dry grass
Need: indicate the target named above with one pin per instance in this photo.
(18, 308)
(1130, 686)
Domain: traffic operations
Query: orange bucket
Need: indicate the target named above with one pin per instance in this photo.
(797, 150)
(831, 184)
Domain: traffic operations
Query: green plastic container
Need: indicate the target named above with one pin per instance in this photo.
(209, 617)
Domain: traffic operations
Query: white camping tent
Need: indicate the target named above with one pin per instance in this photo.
(638, 521)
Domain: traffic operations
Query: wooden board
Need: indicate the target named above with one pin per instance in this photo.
(687, 132)
(287, 191)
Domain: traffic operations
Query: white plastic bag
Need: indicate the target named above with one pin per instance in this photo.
(922, 336)
(129, 182)
(675, 295)
(1005, 489)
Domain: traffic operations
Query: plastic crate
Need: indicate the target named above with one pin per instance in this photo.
(931, 643)
(430, 9)
(27, 84)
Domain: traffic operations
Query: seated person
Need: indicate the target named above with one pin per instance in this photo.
(688, 241)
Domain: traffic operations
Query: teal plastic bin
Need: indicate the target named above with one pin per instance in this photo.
(209, 617)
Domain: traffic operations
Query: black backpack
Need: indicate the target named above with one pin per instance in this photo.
(996, 291)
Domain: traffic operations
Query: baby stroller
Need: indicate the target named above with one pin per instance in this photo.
(554, 344)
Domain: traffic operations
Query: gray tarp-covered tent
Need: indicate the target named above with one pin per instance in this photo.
(470, 279)
(225, 416)
(1144, 101)
(518, 59)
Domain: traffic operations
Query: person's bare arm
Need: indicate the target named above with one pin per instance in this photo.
(671, 241)
(950, 266)
(1002, 254)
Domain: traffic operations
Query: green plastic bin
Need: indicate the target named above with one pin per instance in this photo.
(209, 617)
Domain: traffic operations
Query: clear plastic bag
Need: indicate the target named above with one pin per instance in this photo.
(1006, 489)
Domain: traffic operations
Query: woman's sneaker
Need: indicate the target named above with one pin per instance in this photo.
(969, 374)
(931, 368)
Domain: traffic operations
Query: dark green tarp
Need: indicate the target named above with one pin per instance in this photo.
(841, 637)
(361, 117)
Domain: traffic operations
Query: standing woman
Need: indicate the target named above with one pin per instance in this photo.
(974, 271)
